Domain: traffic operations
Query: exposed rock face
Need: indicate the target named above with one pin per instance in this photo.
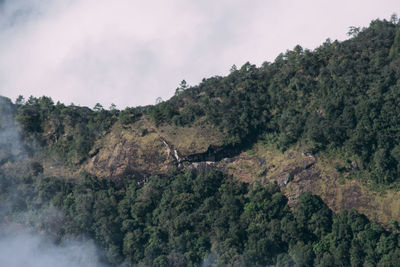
(303, 180)
(126, 154)
(130, 154)
(296, 172)
(203, 166)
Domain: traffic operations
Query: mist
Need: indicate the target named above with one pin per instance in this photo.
(130, 52)
(18, 247)
(21, 243)
(10, 145)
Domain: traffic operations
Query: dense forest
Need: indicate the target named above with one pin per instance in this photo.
(342, 97)
(189, 218)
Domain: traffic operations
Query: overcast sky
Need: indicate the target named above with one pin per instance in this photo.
(130, 52)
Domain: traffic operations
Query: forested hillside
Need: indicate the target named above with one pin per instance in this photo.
(187, 219)
(204, 178)
(343, 95)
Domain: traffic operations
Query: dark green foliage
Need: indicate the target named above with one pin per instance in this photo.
(129, 115)
(187, 218)
(342, 95)
(70, 132)
(162, 112)
(395, 49)
(313, 217)
(30, 117)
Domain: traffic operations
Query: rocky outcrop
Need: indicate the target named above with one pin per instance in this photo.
(205, 166)
(128, 153)
(125, 153)
(296, 171)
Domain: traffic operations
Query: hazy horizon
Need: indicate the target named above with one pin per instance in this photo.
(131, 52)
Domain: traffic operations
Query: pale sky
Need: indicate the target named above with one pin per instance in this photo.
(130, 52)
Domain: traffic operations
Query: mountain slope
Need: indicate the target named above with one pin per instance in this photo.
(323, 121)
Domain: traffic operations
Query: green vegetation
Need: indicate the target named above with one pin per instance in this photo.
(341, 95)
(68, 131)
(185, 218)
(341, 99)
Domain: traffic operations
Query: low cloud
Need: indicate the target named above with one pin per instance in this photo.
(21, 245)
(10, 145)
(21, 248)
(130, 52)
